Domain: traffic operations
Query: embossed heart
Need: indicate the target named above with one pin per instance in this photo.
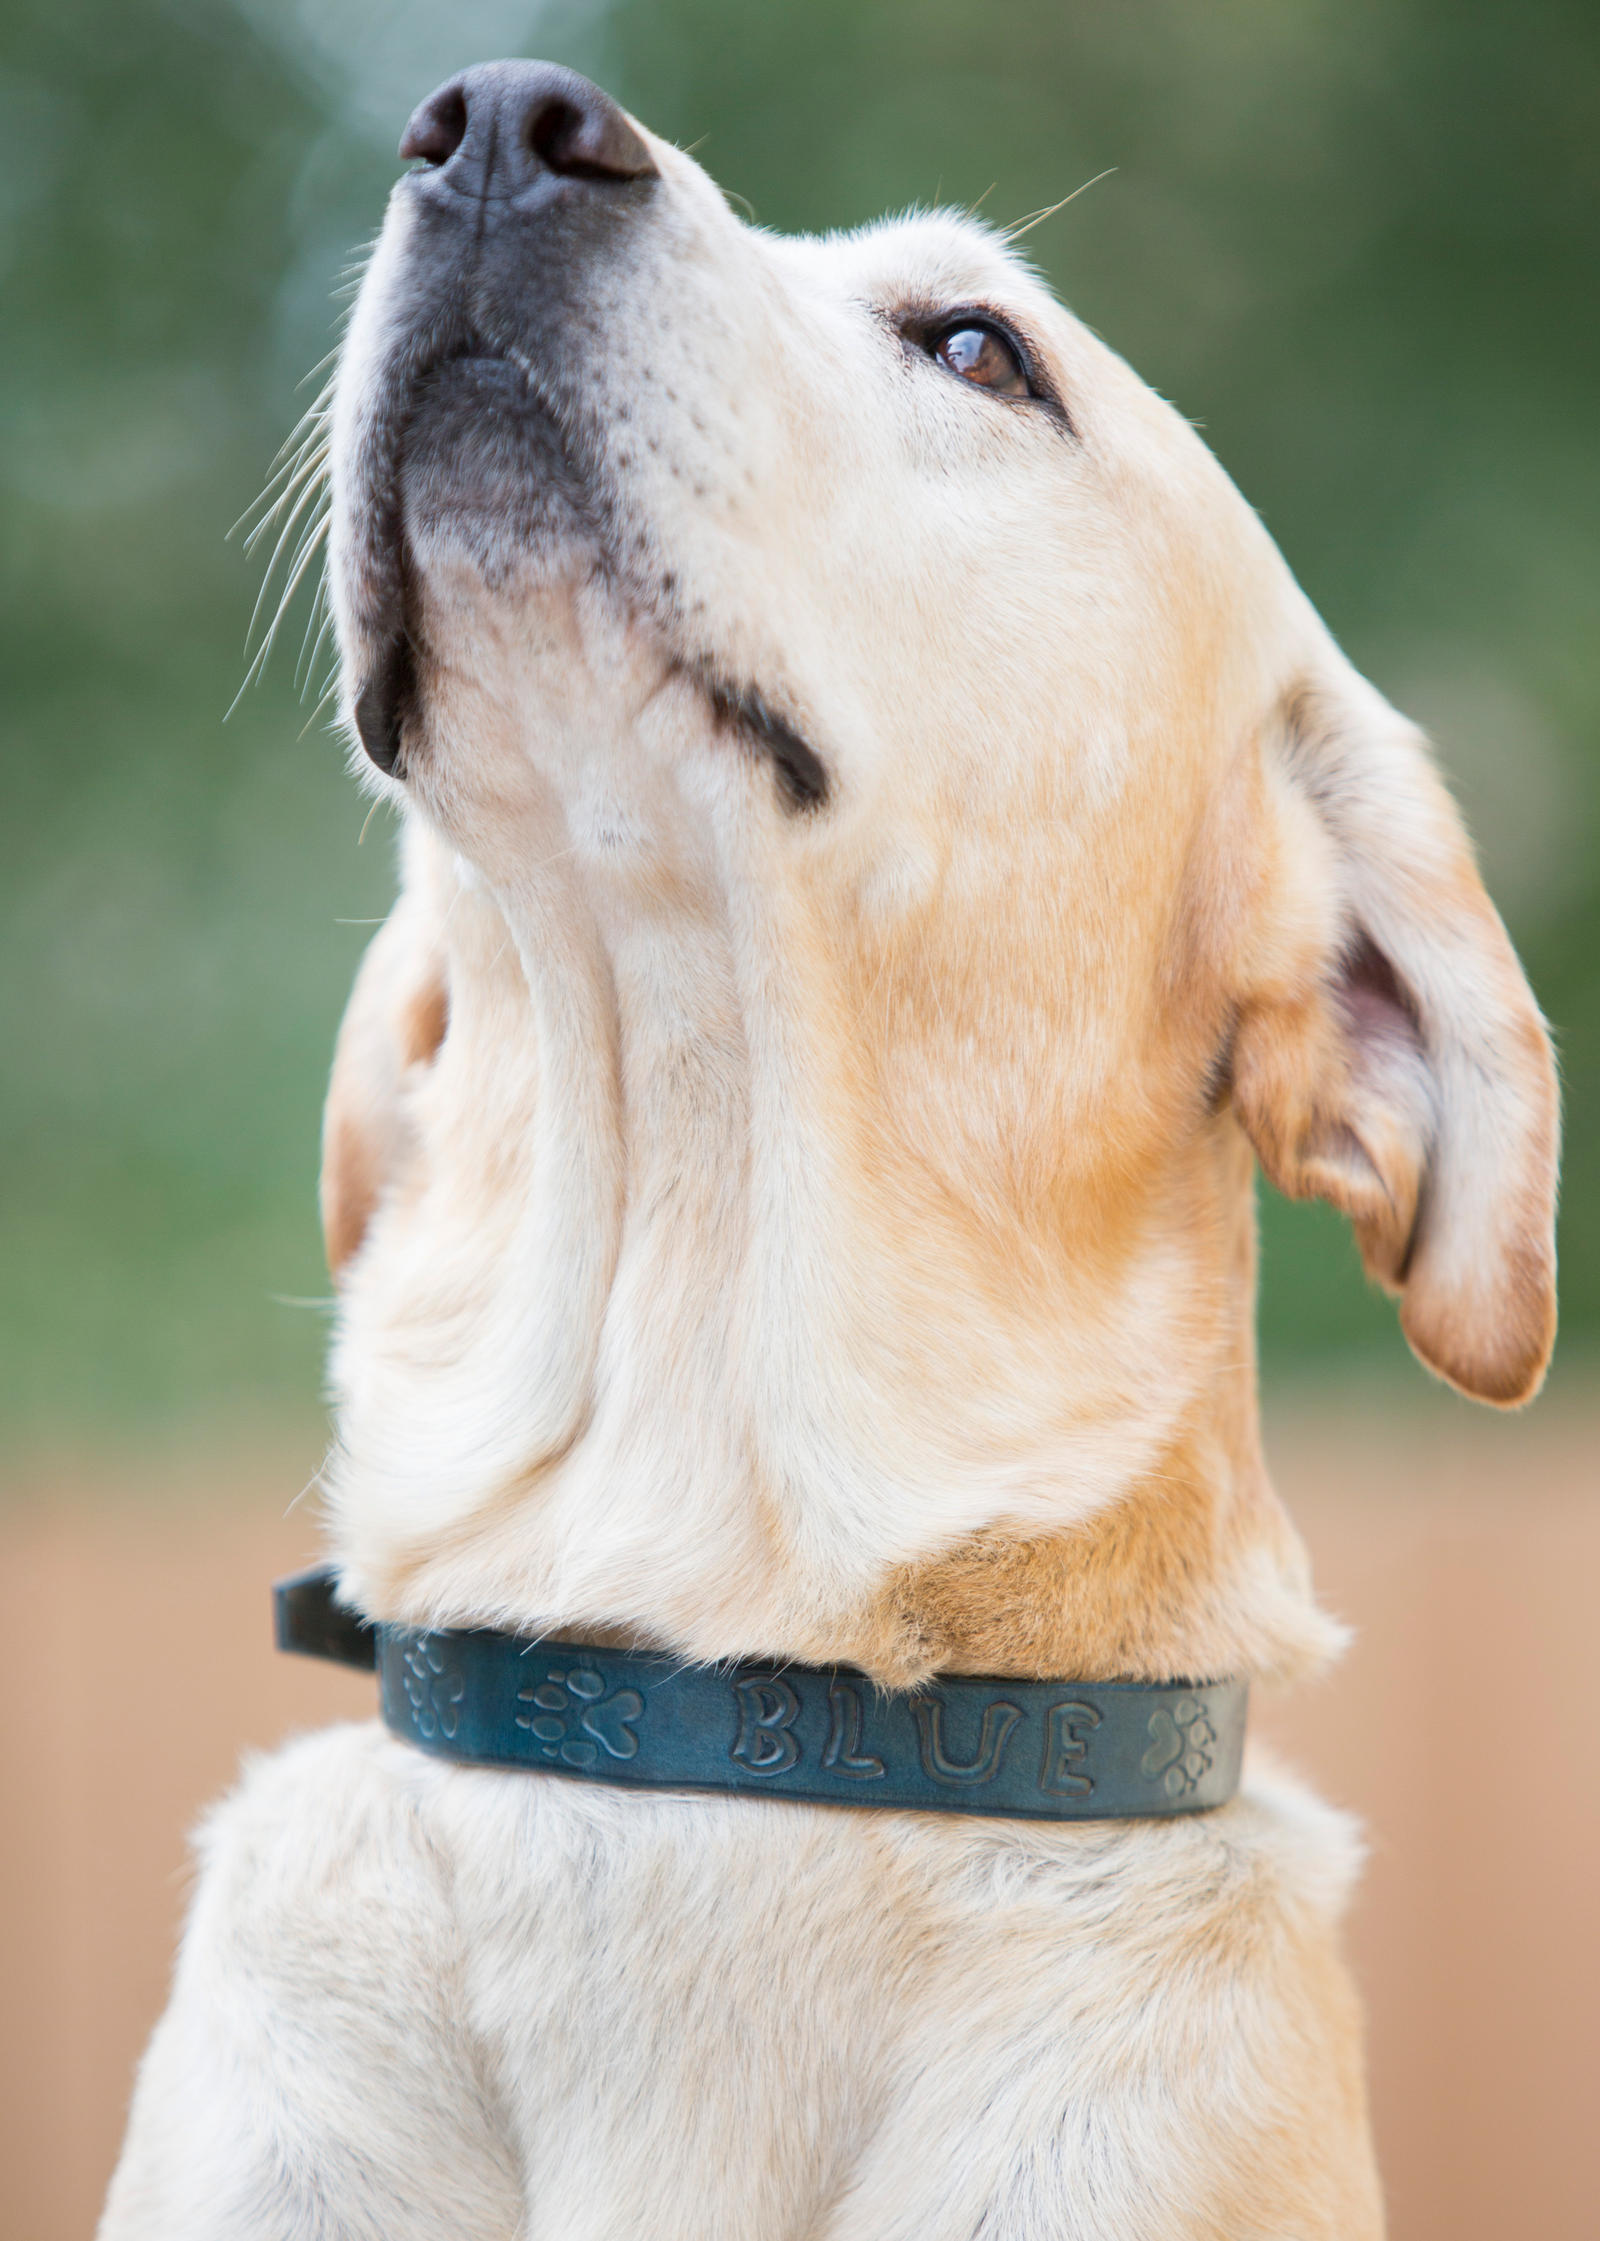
(1166, 1744)
(611, 1723)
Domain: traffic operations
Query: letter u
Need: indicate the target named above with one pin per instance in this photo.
(998, 1722)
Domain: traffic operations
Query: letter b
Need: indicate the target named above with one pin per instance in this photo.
(767, 1711)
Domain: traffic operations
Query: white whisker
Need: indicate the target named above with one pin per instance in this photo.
(1026, 225)
(304, 554)
(308, 498)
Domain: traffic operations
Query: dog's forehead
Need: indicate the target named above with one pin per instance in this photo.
(924, 259)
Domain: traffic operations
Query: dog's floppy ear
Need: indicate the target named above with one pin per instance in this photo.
(1389, 1056)
(395, 1020)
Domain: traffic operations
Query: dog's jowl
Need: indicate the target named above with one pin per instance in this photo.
(888, 850)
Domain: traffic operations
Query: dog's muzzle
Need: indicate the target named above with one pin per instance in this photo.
(531, 181)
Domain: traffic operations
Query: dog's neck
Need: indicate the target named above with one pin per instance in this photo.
(687, 1319)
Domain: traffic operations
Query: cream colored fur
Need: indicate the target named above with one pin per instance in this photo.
(829, 1234)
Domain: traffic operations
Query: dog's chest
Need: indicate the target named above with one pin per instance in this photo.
(705, 2016)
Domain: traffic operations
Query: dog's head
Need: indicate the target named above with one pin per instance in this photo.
(904, 777)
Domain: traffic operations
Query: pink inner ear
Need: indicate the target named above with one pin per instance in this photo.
(1381, 1143)
(1377, 1005)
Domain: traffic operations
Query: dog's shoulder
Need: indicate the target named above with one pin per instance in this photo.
(1117, 1985)
(307, 1826)
(310, 2072)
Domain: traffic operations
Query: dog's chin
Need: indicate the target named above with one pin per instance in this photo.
(486, 473)
(488, 493)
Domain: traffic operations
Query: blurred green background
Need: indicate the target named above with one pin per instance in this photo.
(1357, 243)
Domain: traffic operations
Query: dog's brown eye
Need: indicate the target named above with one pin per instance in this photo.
(985, 358)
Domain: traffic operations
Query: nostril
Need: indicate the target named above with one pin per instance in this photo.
(438, 128)
(554, 130)
(585, 139)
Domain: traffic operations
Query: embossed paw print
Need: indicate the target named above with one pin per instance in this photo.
(1182, 1743)
(604, 1722)
(434, 1690)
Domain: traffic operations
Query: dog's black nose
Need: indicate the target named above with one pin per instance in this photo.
(499, 128)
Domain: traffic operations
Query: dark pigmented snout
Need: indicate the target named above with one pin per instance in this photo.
(495, 131)
(529, 181)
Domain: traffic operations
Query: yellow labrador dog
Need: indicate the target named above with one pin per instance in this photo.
(887, 844)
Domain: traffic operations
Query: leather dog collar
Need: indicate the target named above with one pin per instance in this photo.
(1037, 1750)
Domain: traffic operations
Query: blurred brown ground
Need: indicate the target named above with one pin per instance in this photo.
(1464, 1727)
